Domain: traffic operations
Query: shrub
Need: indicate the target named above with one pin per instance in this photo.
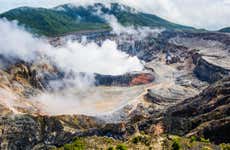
(176, 145)
(199, 139)
(77, 144)
(142, 132)
(110, 148)
(136, 139)
(225, 146)
(193, 139)
(206, 148)
(108, 140)
(68, 147)
(204, 140)
(141, 139)
(121, 147)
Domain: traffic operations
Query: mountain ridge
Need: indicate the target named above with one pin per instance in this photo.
(68, 18)
(227, 29)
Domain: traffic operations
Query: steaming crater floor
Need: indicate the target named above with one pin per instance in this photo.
(113, 103)
(117, 103)
(94, 101)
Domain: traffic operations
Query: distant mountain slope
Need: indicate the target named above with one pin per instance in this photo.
(69, 18)
(225, 30)
(128, 16)
(50, 22)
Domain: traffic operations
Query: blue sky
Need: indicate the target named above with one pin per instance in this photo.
(209, 14)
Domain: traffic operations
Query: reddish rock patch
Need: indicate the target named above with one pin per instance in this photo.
(143, 78)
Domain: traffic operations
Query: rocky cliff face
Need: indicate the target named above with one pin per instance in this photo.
(207, 71)
(37, 132)
(206, 114)
(130, 79)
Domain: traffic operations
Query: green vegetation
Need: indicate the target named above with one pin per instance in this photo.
(142, 19)
(199, 139)
(110, 148)
(225, 30)
(50, 22)
(193, 139)
(77, 144)
(225, 146)
(170, 142)
(66, 19)
(121, 147)
(136, 139)
(206, 148)
(176, 144)
(141, 139)
(204, 140)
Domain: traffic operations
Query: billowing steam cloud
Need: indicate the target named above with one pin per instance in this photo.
(137, 32)
(72, 57)
(90, 58)
(16, 42)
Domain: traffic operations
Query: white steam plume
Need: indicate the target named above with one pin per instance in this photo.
(91, 58)
(15, 41)
(137, 32)
(72, 57)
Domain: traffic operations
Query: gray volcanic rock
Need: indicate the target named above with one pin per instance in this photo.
(210, 52)
(207, 71)
(206, 114)
(27, 132)
(129, 79)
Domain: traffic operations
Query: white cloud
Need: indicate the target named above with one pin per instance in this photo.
(210, 14)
